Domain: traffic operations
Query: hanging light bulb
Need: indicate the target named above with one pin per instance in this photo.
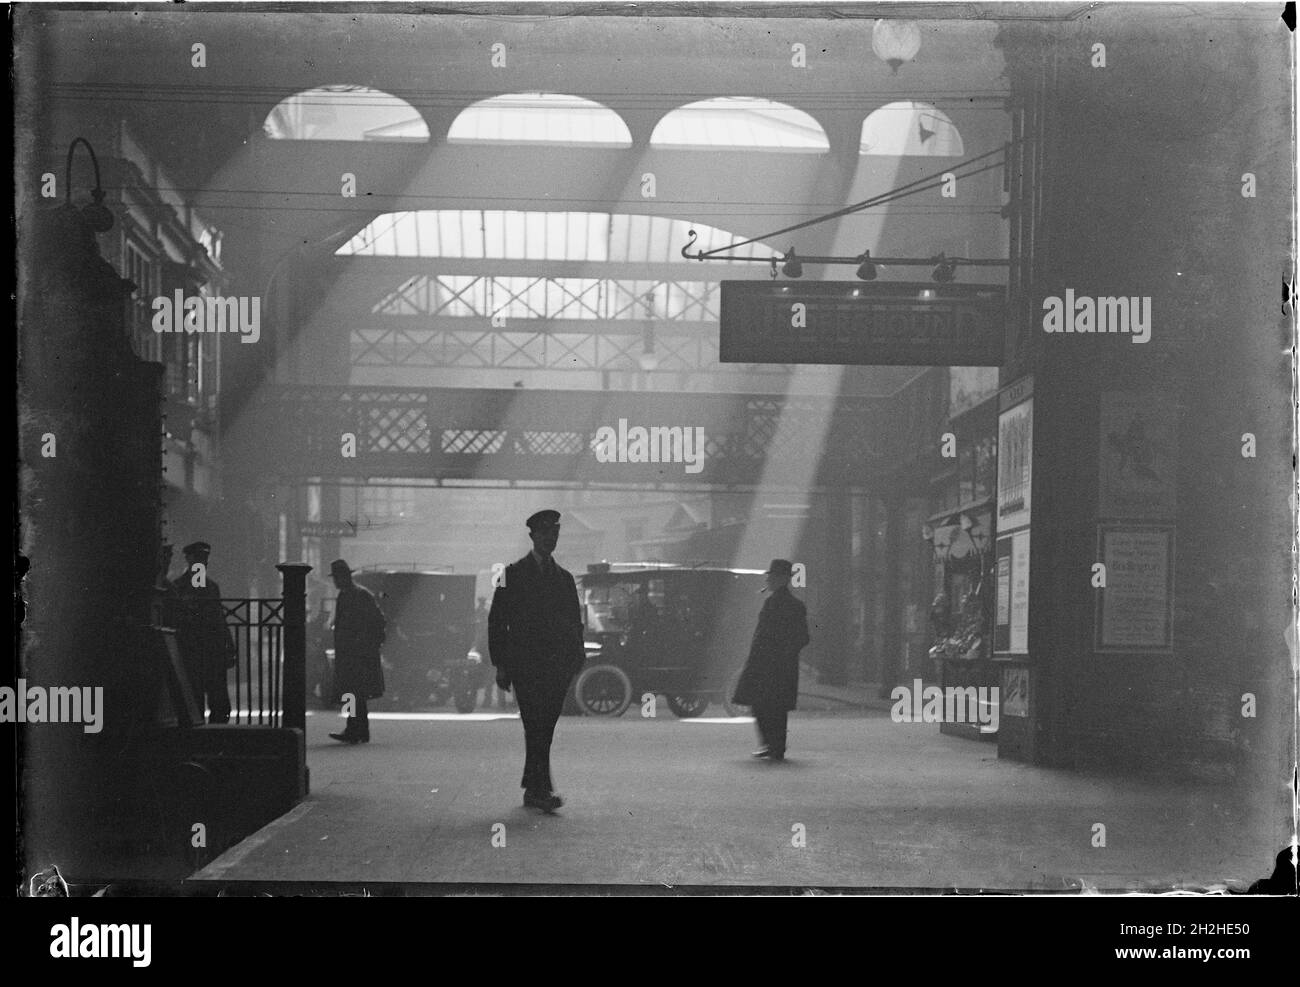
(895, 42)
(866, 267)
(945, 271)
(793, 267)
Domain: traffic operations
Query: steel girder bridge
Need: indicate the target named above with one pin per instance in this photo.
(517, 435)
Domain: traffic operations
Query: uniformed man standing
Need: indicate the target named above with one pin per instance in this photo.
(770, 680)
(206, 645)
(535, 642)
(359, 629)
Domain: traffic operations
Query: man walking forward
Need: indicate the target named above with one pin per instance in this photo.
(535, 642)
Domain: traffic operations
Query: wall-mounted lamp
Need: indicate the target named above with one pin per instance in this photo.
(97, 216)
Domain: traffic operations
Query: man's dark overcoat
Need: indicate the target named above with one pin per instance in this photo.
(770, 678)
(200, 621)
(359, 629)
(535, 623)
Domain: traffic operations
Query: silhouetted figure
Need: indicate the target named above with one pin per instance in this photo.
(205, 642)
(770, 680)
(535, 642)
(359, 629)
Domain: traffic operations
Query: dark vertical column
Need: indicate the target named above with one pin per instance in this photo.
(891, 598)
(836, 611)
(294, 580)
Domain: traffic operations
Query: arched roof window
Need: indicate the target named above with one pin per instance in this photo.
(494, 234)
(910, 129)
(740, 122)
(345, 113)
(539, 118)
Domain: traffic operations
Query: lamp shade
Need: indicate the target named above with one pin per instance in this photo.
(895, 42)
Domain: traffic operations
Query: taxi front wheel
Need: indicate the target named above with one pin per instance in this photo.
(603, 690)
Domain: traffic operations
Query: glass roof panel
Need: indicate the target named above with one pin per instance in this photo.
(740, 121)
(539, 118)
(495, 234)
(345, 113)
(910, 129)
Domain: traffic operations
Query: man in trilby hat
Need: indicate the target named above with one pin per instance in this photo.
(359, 630)
(535, 642)
(769, 682)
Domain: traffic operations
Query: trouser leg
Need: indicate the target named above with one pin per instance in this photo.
(360, 724)
(540, 704)
(772, 724)
(218, 692)
(195, 682)
(776, 725)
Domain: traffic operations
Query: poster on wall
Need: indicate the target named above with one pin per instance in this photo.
(1019, 634)
(1015, 443)
(1138, 458)
(1015, 692)
(1011, 623)
(1135, 608)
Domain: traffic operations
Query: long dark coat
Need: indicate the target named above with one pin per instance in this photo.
(770, 678)
(358, 635)
(535, 624)
(204, 640)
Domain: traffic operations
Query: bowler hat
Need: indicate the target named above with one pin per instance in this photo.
(543, 519)
(197, 548)
(338, 565)
(780, 567)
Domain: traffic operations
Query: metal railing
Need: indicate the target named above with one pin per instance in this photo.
(268, 683)
(257, 680)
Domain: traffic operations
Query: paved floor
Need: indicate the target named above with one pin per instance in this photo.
(668, 801)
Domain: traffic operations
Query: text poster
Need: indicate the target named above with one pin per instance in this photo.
(1136, 604)
(1019, 643)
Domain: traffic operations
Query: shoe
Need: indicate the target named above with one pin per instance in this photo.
(763, 753)
(347, 738)
(364, 738)
(547, 802)
(774, 756)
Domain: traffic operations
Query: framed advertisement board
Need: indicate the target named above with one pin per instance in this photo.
(1135, 607)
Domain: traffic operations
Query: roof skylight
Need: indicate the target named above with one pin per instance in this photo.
(740, 122)
(539, 118)
(345, 113)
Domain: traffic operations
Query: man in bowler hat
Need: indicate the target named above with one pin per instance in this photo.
(769, 682)
(202, 637)
(535, 642)
(359, 630)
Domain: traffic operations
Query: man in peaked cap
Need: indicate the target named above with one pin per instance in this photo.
(770, 680)
(535, 642)
(202, 637)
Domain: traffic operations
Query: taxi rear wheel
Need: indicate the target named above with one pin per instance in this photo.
(687, 707)
(603, 690)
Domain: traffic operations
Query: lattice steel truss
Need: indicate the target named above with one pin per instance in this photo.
(392, 346)
(552, 297)
(510, 434)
